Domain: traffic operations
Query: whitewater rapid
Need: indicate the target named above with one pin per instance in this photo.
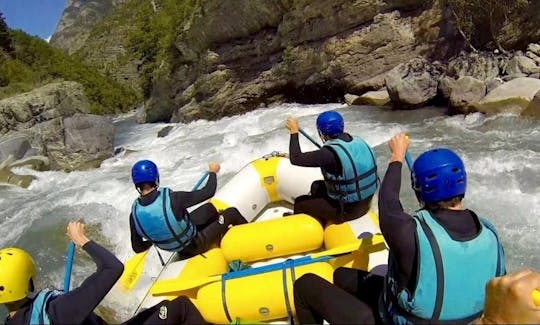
(501, 155)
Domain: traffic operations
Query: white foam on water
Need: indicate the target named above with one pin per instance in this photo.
(501, 155)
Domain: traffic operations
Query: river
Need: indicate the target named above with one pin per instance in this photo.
(501, 155)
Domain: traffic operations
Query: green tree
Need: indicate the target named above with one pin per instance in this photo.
(480, 21)
(36, 63)
(5, 39)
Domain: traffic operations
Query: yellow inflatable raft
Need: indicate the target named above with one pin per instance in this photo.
(276, 250)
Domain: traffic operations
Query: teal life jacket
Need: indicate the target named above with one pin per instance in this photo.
(157, 223)
(358, 180)
(38, 314)
(451, 276)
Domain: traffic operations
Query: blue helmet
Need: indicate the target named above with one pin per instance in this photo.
(438, 175)
(330, 123)
(144, 171)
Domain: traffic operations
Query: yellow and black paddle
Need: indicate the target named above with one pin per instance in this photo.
(172, 286)
(134, 266)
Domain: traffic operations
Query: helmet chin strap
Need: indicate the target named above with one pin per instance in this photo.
(156, 186)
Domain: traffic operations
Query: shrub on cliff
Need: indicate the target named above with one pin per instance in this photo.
(36, 63)
(154, 27)
(5, 38)
(480, 21)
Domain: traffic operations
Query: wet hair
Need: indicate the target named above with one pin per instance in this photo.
(441, 205)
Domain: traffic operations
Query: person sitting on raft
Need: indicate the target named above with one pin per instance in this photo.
(28, 305)
(159, 216)
(349, 168)
(440, 258)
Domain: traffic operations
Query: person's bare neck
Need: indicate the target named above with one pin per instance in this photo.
(457, 206)
(147, 190)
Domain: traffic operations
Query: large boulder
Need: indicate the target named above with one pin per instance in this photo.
(464, 91)
(413, 84)
(373, 98)
(513, 97)
(521, 64)
(52, 121)
(88, 140)
(482, 66)
(51, 101)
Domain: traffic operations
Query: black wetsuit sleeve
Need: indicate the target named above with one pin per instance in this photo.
(138, 244)
(181, 200)
(323, 157)
(398, 227)
(77, 305)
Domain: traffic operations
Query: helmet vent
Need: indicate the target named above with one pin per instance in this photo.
(1, 288)
(431, 177)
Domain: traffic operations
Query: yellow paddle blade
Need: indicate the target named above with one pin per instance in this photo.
(132, 270)
(536, 297)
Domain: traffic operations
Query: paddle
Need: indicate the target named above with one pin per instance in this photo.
(69, 265)
(309, 138)
(134, 266)
(133, 270)
(171, 286)
(536, 297)
(408, 158)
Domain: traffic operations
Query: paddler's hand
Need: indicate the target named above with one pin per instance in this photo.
(398, 147)
(509, 301)
(292, 125)
(213, 167)
(77, 234)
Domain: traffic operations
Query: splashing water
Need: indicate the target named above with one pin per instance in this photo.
(501, 154)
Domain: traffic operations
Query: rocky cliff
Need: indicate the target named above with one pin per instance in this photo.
(230, 56)
(78, 20)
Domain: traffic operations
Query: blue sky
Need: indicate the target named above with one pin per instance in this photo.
(35, 17)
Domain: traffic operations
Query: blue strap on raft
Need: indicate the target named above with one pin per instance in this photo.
(290, 263)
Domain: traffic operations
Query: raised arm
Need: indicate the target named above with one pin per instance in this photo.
(73, 307)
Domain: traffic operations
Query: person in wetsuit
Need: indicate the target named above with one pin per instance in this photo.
(348, 165)
(27, 305)
(159, 216)
(440, 258)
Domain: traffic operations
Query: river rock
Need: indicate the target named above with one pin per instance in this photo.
(413, 84)
(350, 99)
(374, 98)
(445, 86)
(533, 110)
(51, 101)
(464, 91)
(521, 64)
(52, 121)
(8, 177)
(87, 140)
(16, 145)
(534, 48)
(513, 96)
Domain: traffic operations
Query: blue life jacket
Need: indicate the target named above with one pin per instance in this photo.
(451, 275)
(157, 223)
(358, 180)
(40, 303)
